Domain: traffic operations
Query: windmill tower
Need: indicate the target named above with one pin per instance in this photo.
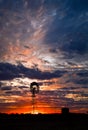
(34, 89)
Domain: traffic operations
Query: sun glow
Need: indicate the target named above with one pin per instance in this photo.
(35, 112)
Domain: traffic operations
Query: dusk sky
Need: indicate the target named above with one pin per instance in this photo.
(45, 41)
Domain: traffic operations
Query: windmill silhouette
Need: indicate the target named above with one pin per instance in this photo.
(34, 88)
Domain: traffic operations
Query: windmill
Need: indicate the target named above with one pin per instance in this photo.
(34, 89)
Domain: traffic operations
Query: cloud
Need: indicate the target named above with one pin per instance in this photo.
(6, 88)
(69, 33)
(23, 87)
(9, 71)
(28, 29)
(1, 84)
(80, 78)
(81, 81)
(76, 46)
(18, 93)
(83, 73)
(76, 97)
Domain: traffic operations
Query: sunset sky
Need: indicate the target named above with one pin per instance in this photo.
(45, 41)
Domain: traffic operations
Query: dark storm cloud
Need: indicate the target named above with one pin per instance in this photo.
(11, 4)
(70, 32)
(37, 74)
(9, 71)
(6, 88)
(79, 46)
(85, 87)
(83, 73)
(80, 78)
(61, 96)
(23, 87)
(81, 81)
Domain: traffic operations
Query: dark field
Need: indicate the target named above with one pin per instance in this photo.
(44, 122)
